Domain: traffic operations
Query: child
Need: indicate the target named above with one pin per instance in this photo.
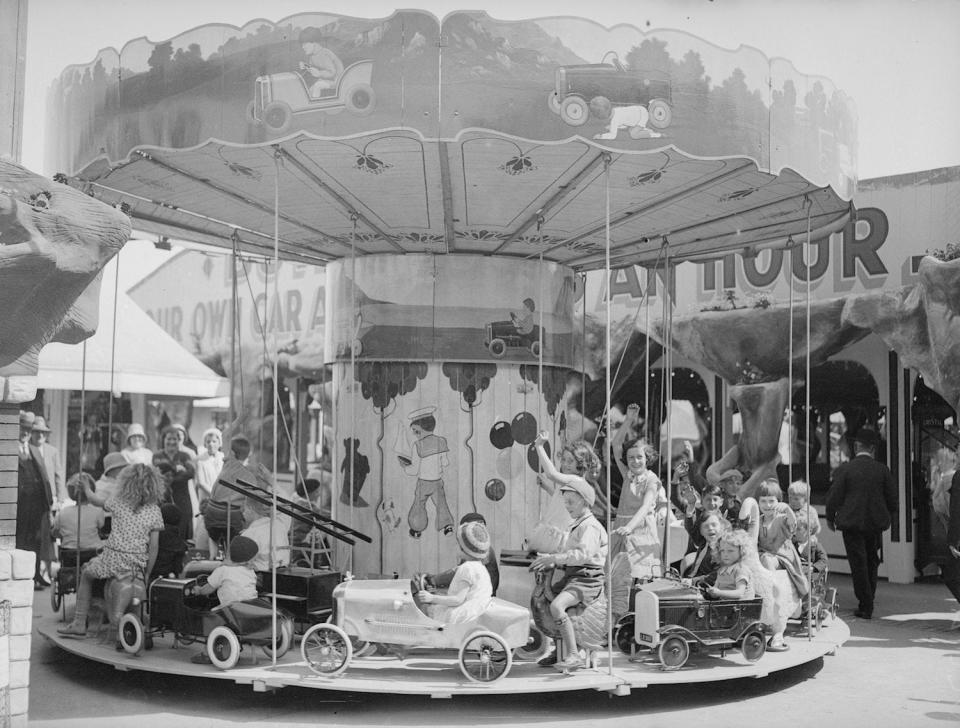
(582, 558)
(704, 562)
(734, 578)
(635, 529)
(798, 496)
(577, 460)
(257, 517)
(777, 524)
(813, 560)
(711, 500)
(171, 547)
(78, 531)
(470, 589)
(489, 561)
(223, 511)
(523, 318)
(134, 538)
(234, 581)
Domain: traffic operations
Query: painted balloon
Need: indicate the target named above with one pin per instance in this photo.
(500, 435)
(524, 428)
(509, 464)
(495, 489)
(533, 460)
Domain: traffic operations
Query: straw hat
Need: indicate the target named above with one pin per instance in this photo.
(113, 461)
(474, 539)
(40, 425)
(27, 419)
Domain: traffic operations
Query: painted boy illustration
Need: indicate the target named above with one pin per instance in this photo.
(428, 465)
(323, 67)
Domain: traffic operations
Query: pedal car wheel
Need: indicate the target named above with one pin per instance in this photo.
(754, 646)
(361, 99)
(223, 647)
(277, 116)
(553, 102)
(56, 596)
(130, 634)
(498, 347)
(485, 657)
(284, 640)
(674, 652)
(660, 114)
(326, 649)
(623, 634)
(538, 644)
(574, 111)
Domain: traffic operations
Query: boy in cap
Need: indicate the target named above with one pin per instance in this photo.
(582, 558)
(234, 580)
(443, 579)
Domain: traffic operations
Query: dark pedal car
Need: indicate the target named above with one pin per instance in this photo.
(501, 336)
(597, 88)
(66, 579)
(673, 618)
(175, 606)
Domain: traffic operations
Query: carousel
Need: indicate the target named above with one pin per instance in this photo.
(458, 180)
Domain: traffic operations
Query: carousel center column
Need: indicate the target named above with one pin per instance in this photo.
(444, 369)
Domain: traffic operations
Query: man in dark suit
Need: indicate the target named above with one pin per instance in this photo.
(33, 500)
(862, 497)
(951, 569)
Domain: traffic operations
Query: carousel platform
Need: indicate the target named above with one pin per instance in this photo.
(437, 675)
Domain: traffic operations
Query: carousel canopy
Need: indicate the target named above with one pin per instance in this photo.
(342, 136)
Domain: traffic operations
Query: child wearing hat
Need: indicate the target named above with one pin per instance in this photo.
(136, 450)
(582, 558)
(470, 589)
(234, 580)
(443, 579)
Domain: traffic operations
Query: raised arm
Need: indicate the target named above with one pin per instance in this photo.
(549, 469)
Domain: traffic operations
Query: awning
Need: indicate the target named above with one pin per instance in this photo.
(147, 360)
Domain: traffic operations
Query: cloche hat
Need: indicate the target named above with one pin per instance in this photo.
(474, 539)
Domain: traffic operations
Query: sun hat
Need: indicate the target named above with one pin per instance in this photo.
(40, 425)
(583, 488)
(113, 461)
(474, 539)
(136, 430)
(242, 549)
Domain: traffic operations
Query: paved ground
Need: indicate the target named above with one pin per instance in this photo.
(900, 669)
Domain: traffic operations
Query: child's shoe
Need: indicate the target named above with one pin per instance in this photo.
(74, 629)
(570, 662)
(549, 660)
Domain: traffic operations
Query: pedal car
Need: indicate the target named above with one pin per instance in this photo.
(598, 88)
(502, 335)
(65, 580)
(277, 97)
(385, 611)
(672, 617)
(175, 606)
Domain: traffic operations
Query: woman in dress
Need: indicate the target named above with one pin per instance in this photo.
(178, 469)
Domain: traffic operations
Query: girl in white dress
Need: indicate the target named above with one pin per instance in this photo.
(470, 591)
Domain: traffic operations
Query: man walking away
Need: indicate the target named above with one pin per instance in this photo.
(862, 497)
